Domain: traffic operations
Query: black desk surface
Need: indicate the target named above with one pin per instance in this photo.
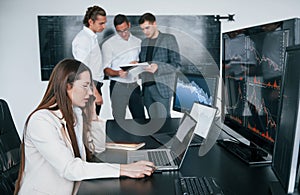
(233, 175)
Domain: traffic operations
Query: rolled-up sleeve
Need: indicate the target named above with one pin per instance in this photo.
(98, 135)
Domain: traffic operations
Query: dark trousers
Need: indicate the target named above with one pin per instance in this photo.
(156, 105)
(98, 88)
(123, 95)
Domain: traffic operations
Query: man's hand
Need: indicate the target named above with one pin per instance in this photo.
(133, 62)
(151, 68)
(123, 74)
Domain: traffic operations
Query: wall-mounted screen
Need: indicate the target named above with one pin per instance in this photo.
(198, 39)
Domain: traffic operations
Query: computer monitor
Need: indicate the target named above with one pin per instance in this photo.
(285, 163)
(253, 67)
(190, 88)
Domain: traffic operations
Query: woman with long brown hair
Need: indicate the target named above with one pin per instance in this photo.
(55, 141)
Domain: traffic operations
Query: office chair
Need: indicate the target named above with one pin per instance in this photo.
(9, 149)
(5, 186)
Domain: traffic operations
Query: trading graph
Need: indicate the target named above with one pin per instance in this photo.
(190, 92)
(253, 68)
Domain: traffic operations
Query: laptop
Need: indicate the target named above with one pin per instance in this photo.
(170, 158)
(204, 115)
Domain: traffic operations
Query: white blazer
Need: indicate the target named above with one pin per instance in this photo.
(50, 165)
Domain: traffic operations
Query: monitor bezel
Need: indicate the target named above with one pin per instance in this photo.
(291, 164)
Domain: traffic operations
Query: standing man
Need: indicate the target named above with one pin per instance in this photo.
(161, 51)
(122, 48)
(86, 49)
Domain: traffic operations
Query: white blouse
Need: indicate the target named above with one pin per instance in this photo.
(50, 165)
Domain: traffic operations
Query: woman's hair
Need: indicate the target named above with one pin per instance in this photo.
(92, 13)
(56, 98)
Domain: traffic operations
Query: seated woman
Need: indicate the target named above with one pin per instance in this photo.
(56, 141)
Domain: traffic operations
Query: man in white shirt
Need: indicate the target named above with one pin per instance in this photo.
(120, 49)
(86, 49)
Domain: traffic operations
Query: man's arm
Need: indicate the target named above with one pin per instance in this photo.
(115, 73)
(107, 60)
(167, 58)
(81, 49)
(174, 55)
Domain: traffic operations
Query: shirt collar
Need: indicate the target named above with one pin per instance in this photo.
(89, 32)
(120, 38)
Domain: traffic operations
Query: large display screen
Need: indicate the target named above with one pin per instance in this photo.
(253, 65)
(198, 38)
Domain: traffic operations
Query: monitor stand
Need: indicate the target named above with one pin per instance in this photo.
(250, 154)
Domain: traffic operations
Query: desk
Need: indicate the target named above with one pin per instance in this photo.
(233, 175)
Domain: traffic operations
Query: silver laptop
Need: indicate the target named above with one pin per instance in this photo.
(170, 158)
(204, 115)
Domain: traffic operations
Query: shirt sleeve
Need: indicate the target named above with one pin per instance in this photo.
(98, 135)
(107, 55)
(81, 49)
(174, 55)
(172, 60)
(47, 138)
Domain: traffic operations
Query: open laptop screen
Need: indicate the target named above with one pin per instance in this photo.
(205, 116)
(183, 136)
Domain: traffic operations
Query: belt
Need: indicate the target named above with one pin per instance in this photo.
(148, 84)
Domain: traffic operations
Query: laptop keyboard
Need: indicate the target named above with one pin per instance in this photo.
(159, 158)
(198, 185)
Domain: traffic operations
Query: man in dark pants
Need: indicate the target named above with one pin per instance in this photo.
(161, 51)
(121, 49)
(86, 49)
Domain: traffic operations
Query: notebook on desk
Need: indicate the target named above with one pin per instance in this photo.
(169, 158)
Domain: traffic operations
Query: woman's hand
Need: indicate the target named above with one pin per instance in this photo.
(94, 115)
(99, 99)
(138, 169)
